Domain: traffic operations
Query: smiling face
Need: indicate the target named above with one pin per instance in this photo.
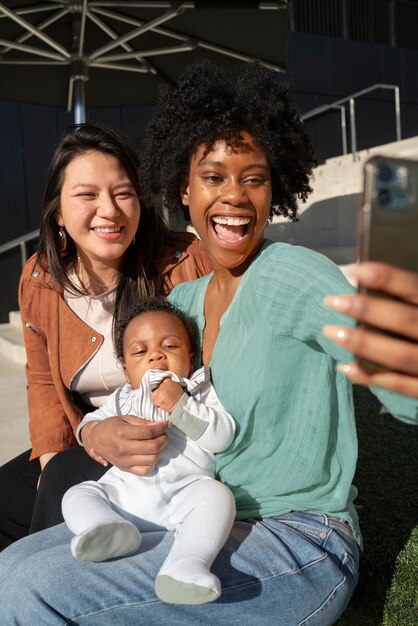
(229, 197)
(156, 340)
(99, 208)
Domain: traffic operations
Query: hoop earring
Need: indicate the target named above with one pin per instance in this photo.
(62, 241)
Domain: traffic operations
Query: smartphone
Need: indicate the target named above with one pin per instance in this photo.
(388, 217)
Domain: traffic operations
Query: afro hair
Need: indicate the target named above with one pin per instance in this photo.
(207, 105)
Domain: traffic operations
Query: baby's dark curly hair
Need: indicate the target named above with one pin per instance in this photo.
(153, 305)
(207, 105)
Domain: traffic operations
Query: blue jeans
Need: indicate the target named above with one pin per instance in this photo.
(293, 569)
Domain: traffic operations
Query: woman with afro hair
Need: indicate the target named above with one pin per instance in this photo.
(232, 152)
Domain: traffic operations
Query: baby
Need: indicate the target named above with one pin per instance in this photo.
(155, 344)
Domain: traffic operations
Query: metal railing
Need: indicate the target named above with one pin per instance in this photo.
(341, 104)
(21, 243)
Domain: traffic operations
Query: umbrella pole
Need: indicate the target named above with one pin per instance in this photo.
(79, 102)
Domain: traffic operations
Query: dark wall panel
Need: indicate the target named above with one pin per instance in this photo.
(39, 131)
(308, 64)
(410, 74)
(10, 272)
(353, 67)
(109, 116)
(135, 120)
(12, 179)
(409, 119)
(394, 73)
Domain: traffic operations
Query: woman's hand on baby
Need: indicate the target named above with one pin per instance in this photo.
(167, 395)
(130, 443)
(397, 356)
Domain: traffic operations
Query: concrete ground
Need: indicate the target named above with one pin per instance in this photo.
(14, 434)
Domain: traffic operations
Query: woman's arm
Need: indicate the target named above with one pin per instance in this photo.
(397, 356)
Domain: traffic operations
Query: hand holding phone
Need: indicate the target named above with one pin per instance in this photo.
(388, 225)
(385, 341)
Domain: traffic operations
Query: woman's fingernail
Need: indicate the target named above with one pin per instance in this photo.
(337, 334)
(345, 368)
(351, 370)
(365, 272)
(339, 303)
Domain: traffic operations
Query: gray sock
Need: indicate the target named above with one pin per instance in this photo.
(106, 541)
(176, 592)
(188, 581)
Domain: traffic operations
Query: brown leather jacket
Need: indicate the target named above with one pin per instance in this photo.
(58, 343)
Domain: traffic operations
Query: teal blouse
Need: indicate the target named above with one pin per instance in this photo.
(295, 446)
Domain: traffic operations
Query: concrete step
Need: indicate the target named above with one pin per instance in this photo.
(14, 432)
(328, 220)
(15, 319)
(11, 339)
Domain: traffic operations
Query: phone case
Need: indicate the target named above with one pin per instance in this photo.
(388, 225)
(388, 220)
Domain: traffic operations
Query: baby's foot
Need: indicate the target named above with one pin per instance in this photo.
(106, 541)
(188, 581)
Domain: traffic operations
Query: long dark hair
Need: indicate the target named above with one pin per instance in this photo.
(139, 275)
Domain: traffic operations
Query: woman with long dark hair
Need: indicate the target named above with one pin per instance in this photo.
(101, 247)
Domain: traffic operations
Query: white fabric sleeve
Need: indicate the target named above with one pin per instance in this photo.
(204, 420)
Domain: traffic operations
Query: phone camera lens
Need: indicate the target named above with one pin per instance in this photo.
(385, 173)
(385, 197)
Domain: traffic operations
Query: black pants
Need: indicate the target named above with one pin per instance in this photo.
(25, 509)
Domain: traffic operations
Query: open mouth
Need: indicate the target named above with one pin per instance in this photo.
(230, 229)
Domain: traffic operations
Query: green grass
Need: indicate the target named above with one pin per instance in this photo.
(387, 481)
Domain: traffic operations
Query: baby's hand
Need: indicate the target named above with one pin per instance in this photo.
(167, 395)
